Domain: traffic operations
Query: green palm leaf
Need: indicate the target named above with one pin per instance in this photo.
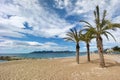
(101, 28)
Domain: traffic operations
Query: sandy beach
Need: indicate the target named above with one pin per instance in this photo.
(61, 69)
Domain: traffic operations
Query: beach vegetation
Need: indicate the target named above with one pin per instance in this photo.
(86, 37)
(116, 49)
(102, 25)
(73, 35)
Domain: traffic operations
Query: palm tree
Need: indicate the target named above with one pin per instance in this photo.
(86, 37)
(101, 28)
(73, 35)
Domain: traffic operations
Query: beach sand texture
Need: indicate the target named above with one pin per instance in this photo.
(61, 69)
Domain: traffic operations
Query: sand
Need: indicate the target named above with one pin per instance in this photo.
(61, 69)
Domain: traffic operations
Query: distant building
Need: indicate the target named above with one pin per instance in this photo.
(109, 51)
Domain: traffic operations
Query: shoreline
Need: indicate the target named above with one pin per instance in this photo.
(7, 57)
(60, 69)
(10, 58)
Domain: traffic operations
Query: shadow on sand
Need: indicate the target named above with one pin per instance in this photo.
(108, 63)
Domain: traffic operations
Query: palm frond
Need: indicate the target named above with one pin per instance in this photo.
(69, 35)
(116, 25)
(72, 35)
(103, 18)
(76, 33)
(105, 34)
(86, 23)
(68, 39)
(110, 25)
(95, 14)
(97, 18)
(111, 35)
(86, 37)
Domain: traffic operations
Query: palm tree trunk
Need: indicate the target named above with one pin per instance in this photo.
(88, 52)
(77, 53)
(100, 51)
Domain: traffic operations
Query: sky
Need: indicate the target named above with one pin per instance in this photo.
(36, 25)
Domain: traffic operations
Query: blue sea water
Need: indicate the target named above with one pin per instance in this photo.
(44, 55)
(2, 61)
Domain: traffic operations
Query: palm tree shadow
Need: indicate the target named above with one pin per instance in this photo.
(108, 63)
(112, 64)
(95, 61)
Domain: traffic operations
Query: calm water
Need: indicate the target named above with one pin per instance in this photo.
(2, 61)
(44, 55)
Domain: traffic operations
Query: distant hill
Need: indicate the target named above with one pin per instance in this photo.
(52, 52)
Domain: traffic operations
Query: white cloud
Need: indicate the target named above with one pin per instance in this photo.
(11, 34)
(62, 3)
(85, 8)
(35, 43)
(6, 44)
(51, 43)
(15, 21)
(44, 22)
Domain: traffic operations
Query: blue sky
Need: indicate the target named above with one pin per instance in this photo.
(29, 25)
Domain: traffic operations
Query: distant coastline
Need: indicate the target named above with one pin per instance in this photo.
(34, 52)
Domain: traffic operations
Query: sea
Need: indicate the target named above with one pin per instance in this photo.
(3, 61)
(44, 55)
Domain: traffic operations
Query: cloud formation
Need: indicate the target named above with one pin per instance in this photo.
(28, 46)
(44, 22)
(21, 17)
(85, 8)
